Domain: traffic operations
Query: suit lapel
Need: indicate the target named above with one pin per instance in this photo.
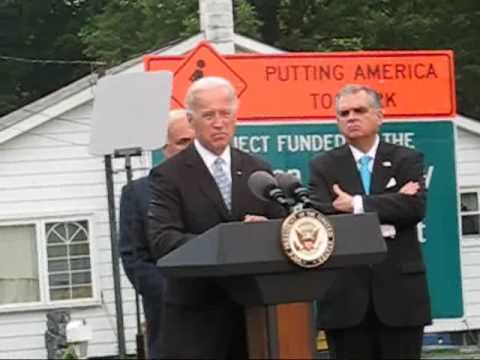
(207, 185)
(382, 168)
(238, 175)
(348, 172)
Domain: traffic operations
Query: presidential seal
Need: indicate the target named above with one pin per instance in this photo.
(308, 238)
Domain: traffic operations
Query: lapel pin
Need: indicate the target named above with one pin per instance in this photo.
(386, 164)
(239, 172)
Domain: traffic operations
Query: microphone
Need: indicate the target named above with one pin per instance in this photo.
(264, 186)
(292, 186)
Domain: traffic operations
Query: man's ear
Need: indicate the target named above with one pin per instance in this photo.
(380, 116)
(165, 151)
(235, 108)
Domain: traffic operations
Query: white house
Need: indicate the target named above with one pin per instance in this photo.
(54, 226)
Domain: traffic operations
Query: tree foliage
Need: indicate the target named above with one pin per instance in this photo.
(46, 29)
(126, 28)
(116, 30)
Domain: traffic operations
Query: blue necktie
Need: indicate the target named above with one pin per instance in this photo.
(365, 174)
(223, 182)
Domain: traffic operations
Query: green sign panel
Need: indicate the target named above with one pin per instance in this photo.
(290, 147)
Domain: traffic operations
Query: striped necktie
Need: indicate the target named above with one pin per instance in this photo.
(223, 182)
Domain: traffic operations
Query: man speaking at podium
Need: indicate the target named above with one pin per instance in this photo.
(202, 186)
(377, 311)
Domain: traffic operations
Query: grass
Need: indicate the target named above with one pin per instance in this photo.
(470, 352)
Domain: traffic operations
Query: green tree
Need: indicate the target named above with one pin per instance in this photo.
(130, 28)
(267, 12)
(44, 29)
(246, 19)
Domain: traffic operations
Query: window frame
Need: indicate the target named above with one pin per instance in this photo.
(42, 263)
(67, 258)
(463, 191)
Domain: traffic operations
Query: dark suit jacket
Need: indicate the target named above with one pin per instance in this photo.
(397, 286)
(137, 262)
(199, 318)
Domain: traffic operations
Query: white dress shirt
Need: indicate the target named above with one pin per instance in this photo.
(209, 158)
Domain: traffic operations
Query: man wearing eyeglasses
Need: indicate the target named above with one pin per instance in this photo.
(377, 311)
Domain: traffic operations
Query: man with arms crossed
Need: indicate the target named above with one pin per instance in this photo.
(201, 187)
(138, 263)
(378, 311)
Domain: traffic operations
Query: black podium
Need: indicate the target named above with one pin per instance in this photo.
(247, 259)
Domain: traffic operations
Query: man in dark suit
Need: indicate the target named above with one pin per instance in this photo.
(192, 192)
(138, 263)
(378, 311)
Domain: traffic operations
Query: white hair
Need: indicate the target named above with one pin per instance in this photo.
(350, 89)
(205, 83)
(174, 116)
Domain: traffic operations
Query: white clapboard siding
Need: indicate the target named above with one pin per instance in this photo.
(468, 159)
(469, 180)
(471, 271)
(469, 167)
(107, 282)
(49, 172)
(21, 341)
(127, 295)
(47, 181)
(24, 155)
(24, 352)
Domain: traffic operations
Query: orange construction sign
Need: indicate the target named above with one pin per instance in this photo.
(303, 85)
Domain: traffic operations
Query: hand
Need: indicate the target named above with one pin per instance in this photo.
(410, 188)
(343, 201)
(254, 218)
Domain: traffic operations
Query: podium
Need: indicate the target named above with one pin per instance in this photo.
(247, 259)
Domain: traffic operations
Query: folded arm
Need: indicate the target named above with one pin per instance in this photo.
(321, 192)
(402, 208)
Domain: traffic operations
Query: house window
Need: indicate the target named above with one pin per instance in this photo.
(44, 262)
(19, 280)
(470, 212)
(68, 255)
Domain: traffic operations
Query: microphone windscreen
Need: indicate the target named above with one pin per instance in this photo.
(260, 183)
(288, 183)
